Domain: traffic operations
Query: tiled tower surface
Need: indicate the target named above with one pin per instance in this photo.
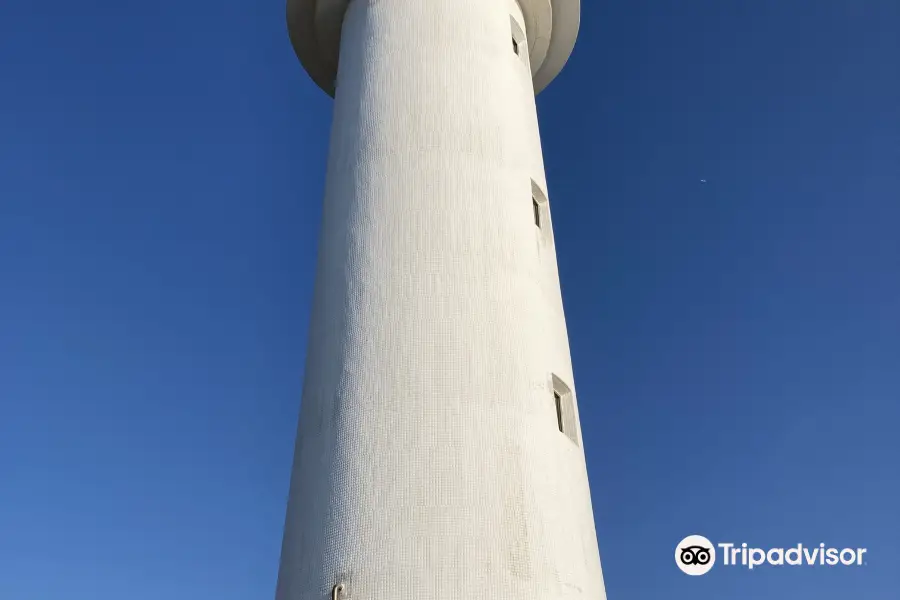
(439, 454)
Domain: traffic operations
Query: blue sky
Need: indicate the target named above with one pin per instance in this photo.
(736, 342)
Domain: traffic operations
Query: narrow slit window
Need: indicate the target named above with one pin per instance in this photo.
(517, 37)
(564, 407)
(540, 211)
(559, 411)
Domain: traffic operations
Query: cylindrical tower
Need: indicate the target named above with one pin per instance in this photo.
(439, 453)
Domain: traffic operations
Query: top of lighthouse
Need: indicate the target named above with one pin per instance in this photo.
(315, 30)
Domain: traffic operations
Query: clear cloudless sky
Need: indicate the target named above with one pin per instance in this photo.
(736, 342)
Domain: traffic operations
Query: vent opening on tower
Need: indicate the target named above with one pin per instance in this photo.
(540, 210)
(564, 408)
(559, 411)
(518, 38)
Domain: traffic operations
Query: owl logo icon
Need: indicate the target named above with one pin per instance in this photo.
(695, 555)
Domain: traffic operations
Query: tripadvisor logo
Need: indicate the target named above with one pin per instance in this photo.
(696, 555)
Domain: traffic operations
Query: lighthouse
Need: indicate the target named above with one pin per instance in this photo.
(439, 452)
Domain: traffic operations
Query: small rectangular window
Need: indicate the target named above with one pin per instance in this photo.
(564, 405)
(559, 411)
(519, 44)
(540, 212)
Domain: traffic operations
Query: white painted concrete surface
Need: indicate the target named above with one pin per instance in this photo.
(430, 464)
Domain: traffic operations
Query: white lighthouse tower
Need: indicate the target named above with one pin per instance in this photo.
(439, 453)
